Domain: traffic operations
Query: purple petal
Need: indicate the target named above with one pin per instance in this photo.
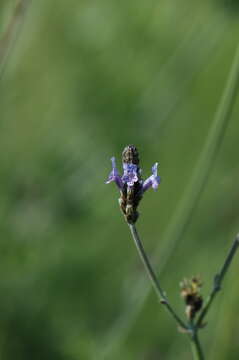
(152, 181)
(114, 175)
(130, 175)
(155, 169)
(155, 182)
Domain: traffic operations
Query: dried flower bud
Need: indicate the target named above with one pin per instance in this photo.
(130, 155)
(130, 184)
(190, 292)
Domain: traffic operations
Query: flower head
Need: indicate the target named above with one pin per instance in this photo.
(130, 184)
(190, 292)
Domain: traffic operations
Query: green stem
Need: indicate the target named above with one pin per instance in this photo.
(218, 281)
(153, 278)
(196, 347)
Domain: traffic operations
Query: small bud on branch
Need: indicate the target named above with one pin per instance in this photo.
(190, 292)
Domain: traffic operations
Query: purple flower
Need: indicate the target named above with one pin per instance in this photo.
(131, 176)
(114, 175)
(153, 181)
(130, 184)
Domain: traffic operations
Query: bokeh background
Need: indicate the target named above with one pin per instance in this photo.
(82, 80)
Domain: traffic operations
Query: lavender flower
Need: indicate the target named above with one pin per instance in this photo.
(152, 181)
(130, 184)
(114, 175)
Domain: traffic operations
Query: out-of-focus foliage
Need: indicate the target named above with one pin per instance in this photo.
(232, 5)
(84, 79)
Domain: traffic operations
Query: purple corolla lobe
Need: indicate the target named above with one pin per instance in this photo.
(152, 181)
(114, 175)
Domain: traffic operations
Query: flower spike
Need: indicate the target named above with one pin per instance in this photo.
(130, 184)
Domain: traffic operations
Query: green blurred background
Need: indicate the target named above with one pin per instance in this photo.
(84, 79)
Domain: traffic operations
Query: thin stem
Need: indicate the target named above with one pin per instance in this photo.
(196, 347)
(218, 280)
(154, 280)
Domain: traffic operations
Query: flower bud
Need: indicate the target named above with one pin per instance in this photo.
(190, 292)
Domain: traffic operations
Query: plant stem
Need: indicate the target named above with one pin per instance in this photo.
(154, 280)
(218, 280)
(196, 347)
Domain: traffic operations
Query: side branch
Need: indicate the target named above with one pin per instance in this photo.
(218, 280)
(153, 278)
